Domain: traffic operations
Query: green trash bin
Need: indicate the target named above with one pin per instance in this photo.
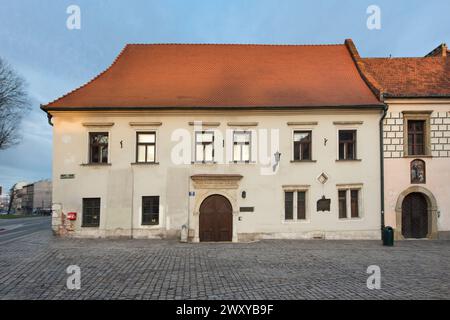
(388, 236)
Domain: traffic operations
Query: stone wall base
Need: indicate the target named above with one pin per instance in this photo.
(326, 235)
(444, 235)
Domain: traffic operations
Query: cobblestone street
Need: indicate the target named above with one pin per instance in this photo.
(34, 267)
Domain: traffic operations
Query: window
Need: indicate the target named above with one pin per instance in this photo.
(347, 144)
(302, 145)
(288, 205)
(145, 147)
(204, 146)
(98, 147)
(349, 202)
(294, 201)
(150, 210)
(241, 146)
(91, 212)
(416, 137)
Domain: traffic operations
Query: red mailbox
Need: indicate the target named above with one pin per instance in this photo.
(72, 216)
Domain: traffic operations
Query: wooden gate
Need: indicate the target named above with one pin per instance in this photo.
(414, 216)
(216, 219)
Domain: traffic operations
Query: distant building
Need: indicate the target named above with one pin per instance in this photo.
(37, 197)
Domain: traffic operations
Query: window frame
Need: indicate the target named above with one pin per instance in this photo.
(294, 131)
(146, 144)
(417, 115)
(354, 141)
(295, 201)
(197, 143)
(348, 203)
(90, 146)
(143, 213)
(83, 212)
(242, 144)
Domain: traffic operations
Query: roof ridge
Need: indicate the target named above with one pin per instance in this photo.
(89, 81)
(234, 44)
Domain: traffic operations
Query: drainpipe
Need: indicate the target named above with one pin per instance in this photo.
(385, 109)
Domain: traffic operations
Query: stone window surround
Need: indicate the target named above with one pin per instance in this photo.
(295, 189)
(347, 188)
(416, 115)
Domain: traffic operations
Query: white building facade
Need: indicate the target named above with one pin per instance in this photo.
(229, 143)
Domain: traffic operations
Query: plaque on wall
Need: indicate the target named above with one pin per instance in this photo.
(323, 204)
(417, 169)
(247, 209)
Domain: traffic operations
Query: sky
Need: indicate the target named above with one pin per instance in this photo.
(53, 59)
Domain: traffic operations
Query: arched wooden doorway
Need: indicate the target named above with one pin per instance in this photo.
(414, 216)
(216, 219)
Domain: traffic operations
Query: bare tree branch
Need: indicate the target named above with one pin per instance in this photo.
(14, 103)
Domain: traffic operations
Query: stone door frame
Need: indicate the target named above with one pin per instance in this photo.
(432, 210)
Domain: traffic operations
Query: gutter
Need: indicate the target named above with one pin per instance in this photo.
(385, 109)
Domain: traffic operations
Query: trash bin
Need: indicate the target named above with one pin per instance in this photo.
(388, 236)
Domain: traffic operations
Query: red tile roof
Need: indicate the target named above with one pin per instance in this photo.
(218, 75)
(410, 77)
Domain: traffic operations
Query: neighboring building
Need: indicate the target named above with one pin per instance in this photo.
(4, 200)
(124, 163)
(37, 197)
(416, 141)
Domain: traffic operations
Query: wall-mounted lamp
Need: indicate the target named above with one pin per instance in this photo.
(277, 156)
(243, 194)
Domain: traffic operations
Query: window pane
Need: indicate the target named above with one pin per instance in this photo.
(288, 205)
(354, 203)
(350, 151)
(209, 152)
(241, 137)
(151, 153)
(342, 204)
(237, 152)
(341, 151)
(306, 155)
(150, 210)
(146, 138)
(297, 147)
(104, 153)
(91, 212)
(95, 154)
(246, 152)
(205, 137)
(199, 152)
(346, 135)
(301, 136)
(301, 205)
(141, 154)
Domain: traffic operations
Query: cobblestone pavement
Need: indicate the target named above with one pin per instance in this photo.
(35, 268)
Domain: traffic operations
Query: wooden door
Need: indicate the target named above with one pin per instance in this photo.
(216, 219)
(414, 216)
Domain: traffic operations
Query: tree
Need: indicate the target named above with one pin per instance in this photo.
(14, 103)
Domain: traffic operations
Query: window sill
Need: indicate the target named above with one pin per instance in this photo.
(144, 163)
(95, 164)
(295, 221)
(148, 225)
(295, 161)
(348, 160)
(203, 162)
(90, 226)
(242, 162)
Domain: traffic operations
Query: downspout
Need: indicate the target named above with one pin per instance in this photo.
(385, 109)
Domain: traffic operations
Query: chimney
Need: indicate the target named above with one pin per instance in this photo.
(440, 50)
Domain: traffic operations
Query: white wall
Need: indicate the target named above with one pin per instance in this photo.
(121, 185)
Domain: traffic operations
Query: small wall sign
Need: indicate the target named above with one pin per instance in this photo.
(323, 204)
(247, 209)
(67, 176)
